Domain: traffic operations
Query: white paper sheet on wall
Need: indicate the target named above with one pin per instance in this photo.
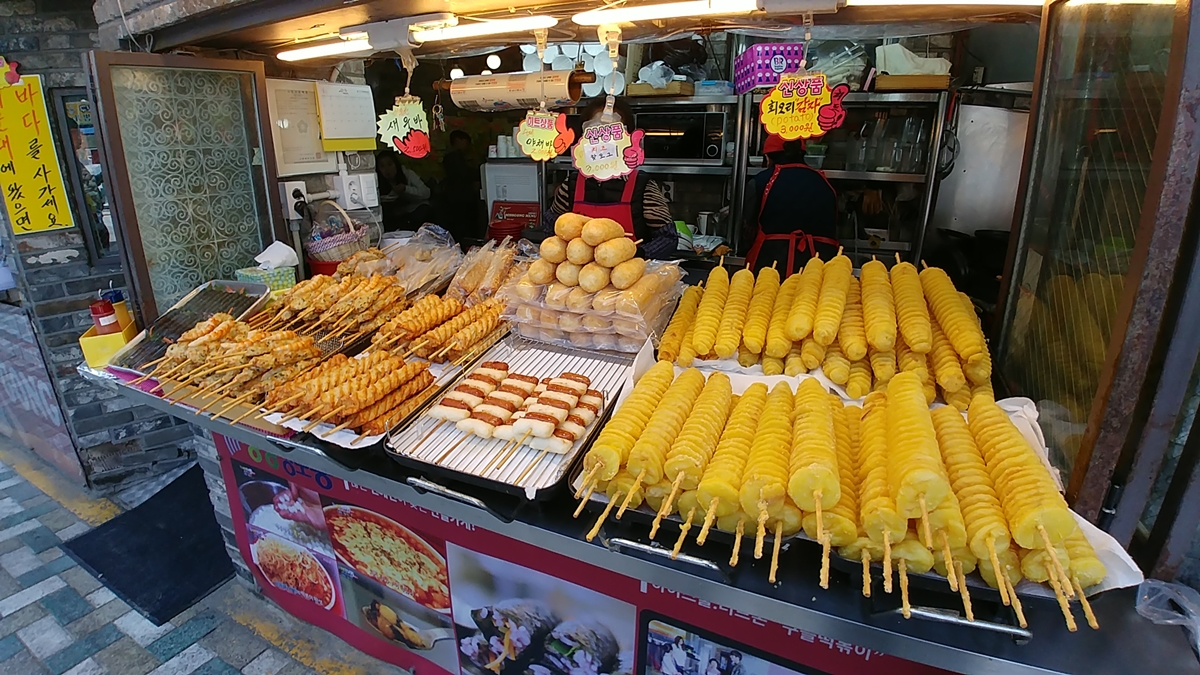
(293, 108)
(347, 110)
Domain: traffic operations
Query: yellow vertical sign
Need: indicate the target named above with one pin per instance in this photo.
(30, 174)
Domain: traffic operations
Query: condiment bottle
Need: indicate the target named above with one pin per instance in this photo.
(104, 318)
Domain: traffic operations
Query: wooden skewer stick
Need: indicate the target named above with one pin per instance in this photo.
(587, 478)
(925, 524)
(281, 405)
(825, 542)
(948, 558)
(683, 530)
(721, 262)
(587, 495)
(774, 263)
(413, 349)
(338, 428)
(737, 542)
(496, 458)
(962, 589)
(775, 551)
(887, 561)
(1087, 606)
(638, 242)
(244, 415)
(154, 362)
(1058, 566)
(162, 379)
(905, 608)
(299, 412)
(897, 258)
(515, 447)
(143, 378)
(637, 483)
(535, 462)
(1062, 600)
(603, 515)
(421, 442)
(761, 534)
(1016, 602)
(233, 404)
(710, 517)
(453, 448)
(329, 415)
(866, 565)
(359, 438)
(924, 265)
(839, 250)
(820, 518)
(1003, 588)
(666, 505)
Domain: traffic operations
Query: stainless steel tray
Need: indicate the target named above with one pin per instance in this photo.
(425, 444)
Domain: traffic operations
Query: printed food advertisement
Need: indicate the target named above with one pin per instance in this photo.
(430, 593)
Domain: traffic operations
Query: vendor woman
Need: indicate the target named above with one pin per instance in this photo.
(791, 211)
(634, 201)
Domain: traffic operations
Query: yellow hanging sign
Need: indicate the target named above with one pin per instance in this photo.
(803, 106)
(608, 151)
(30, 174)
(543, 136)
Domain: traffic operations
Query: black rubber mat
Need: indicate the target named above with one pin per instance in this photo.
(162, 556)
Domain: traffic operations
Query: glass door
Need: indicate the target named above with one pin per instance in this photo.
(187, 145)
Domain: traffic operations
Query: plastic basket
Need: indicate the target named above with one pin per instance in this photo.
(340, 246)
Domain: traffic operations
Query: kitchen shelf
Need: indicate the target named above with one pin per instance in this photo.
(879, 97)
(867, 176)
(664, 169)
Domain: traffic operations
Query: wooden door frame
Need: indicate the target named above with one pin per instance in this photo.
(1147, 307)
(116, 172)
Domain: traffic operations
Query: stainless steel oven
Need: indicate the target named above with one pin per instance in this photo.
(682, 136)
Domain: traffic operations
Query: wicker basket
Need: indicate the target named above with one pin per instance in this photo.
(340, 246)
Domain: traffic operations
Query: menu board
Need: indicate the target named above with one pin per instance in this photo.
(30, 173)
(436, 595)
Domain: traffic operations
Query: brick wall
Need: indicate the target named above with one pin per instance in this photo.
(143, 16)
(56, 280)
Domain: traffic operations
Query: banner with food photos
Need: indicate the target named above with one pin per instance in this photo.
(433, 594)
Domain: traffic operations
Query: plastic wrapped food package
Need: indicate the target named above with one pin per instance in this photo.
(583, 330)
(483, 272)
(426, 261)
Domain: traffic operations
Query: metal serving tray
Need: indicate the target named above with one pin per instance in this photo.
(426, 445)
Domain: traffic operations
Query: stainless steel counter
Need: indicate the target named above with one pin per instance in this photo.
(1126, 643)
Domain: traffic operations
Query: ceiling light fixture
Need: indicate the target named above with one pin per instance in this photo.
(943, 3)
(482, 28)
(668, 10)
(343, 46)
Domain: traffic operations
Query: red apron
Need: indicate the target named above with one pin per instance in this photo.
(798, 240)
(621, 211)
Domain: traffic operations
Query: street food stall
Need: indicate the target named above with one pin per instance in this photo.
(568, 456)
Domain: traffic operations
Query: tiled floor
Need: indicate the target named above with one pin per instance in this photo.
(56, 618)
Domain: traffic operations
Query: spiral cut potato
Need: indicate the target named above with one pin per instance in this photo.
(722, 479)
(915, 473)
(793, 364)
(1038, 565)
(912, 314)
(852, 334)
(978, 371)
(745, 357)
(733, 316)
(959, 400)
(1031, 501)
(624, 486)
(883, 364)
(909, 361)
(616, 439)
(685, 314)
(836, 366)
(1085, 567)
(879, 309)
(831, 303)
(811, 353)
(1010, 564)
(708, 315)
(877, 509)
(983, 389)
(949, 532)
(765, 479)
(649, 452)
(778, 343)
(858, 382)
(772, 366)
(840, 521)
(690, 453)
(812, 464)
(946, 369)
(762, 303)
(687, 352)
(436, 339)
(804, 305)
(959, 325)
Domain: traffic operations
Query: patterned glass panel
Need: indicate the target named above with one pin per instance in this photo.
(1094, 142)
(188, 148)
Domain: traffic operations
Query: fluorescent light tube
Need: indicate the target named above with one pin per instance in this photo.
(667, 10)
(482, 28)
(326, 49)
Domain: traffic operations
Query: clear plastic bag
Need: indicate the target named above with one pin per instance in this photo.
(426, 260)
(1170, 604)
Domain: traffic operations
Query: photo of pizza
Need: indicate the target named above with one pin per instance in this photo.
(293, 569)
(382, 549)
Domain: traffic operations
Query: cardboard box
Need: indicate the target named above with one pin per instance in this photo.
(761, 64)
(98, 349)
(885, 82)
(673, 88)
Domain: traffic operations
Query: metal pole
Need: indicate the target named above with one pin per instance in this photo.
(931, 174)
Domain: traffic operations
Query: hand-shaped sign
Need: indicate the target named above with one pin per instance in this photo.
(543, 136)
(803, 106)
(607, 151)
(405, 127)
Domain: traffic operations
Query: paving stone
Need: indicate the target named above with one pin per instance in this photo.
(50, 554)
(23, 663)
(66, 605)
(17, 530)
(38, 501)
(79, 579)
(9, 647)
(100, 597)
(58, 519)
(296, 668)
(103, 616)
(45, 637)
(235, 644)
(9, 506)
(215, 666)
(71, 531)
(28, 514)
(30, 595)
(86, 667)
(185, 662)
(46, 571)
(8, 585)
(125, 657)
(23, 491)
(141, 629)
(183, 637)
(21, 618)
(83, 648)
(270, 662)
(40, 538)
(10, 545)
(20, 561)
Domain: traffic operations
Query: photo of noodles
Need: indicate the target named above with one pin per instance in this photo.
(293, 569)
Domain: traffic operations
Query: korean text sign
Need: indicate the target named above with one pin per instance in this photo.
(30, 174)
(803, 106)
